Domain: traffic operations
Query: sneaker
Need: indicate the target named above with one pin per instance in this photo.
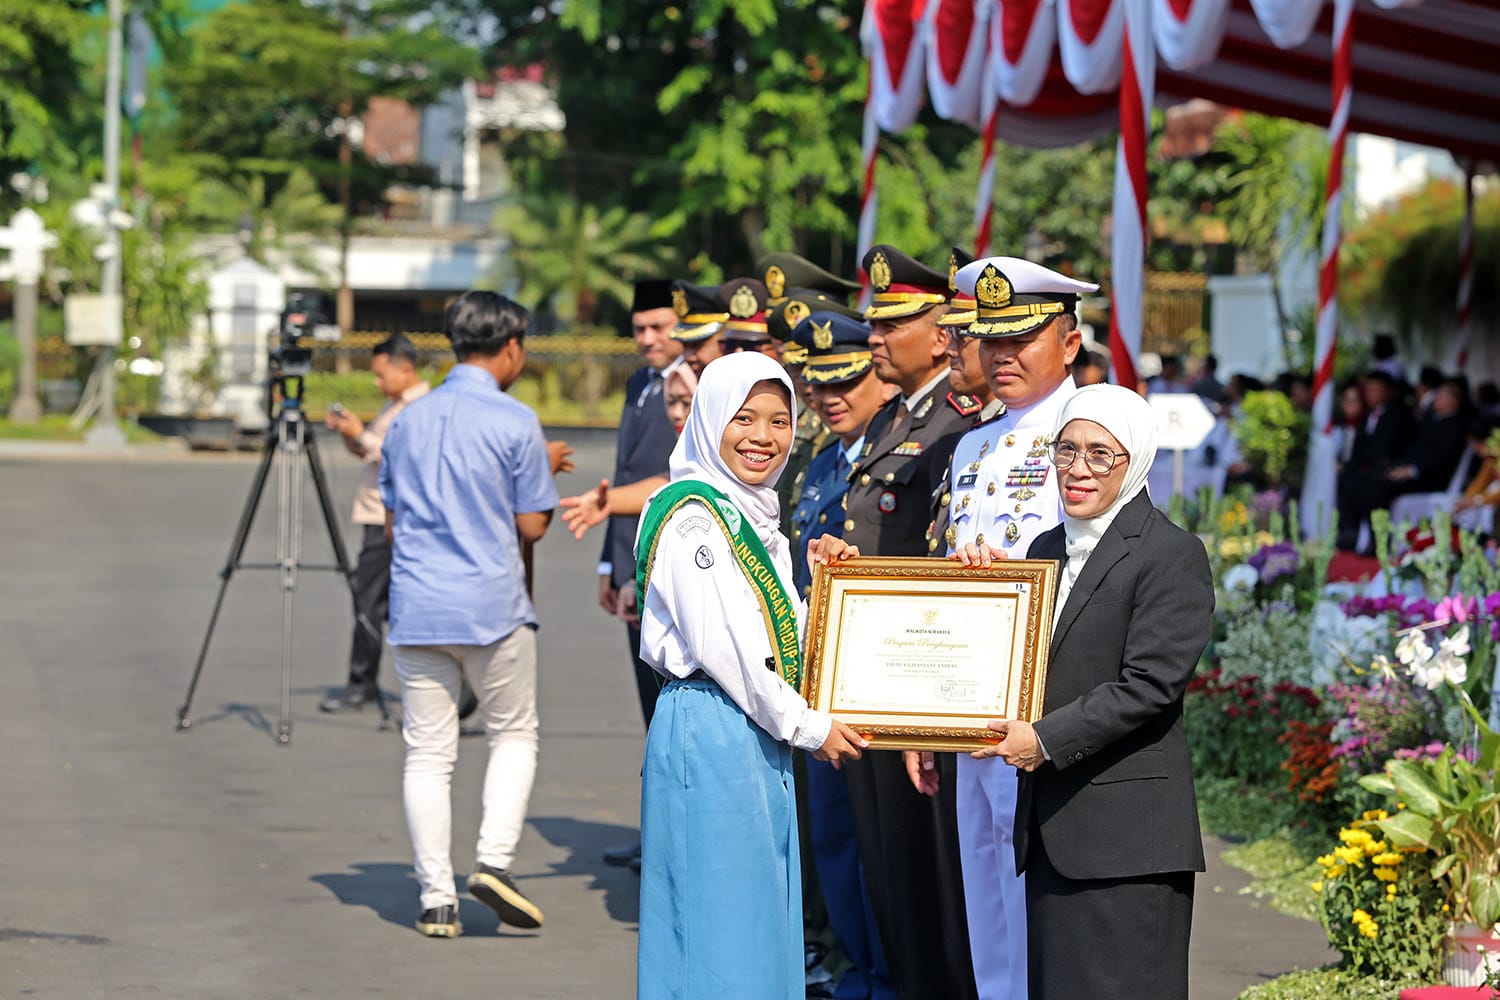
(344, 699)
(440, 922)
(497, 890)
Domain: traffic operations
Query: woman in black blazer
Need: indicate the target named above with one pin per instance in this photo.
(1106, 821)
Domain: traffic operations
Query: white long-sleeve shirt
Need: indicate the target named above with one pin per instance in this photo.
(701, 614)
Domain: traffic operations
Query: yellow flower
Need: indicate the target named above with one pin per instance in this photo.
(1335, 871)
(1349, 855)
(1376, 847)
(1318, 886)
(1376, 814)
(1370, 929)
(1390, 890)
(1326, 860)
(1351, 836)
(1386, 874)
(1389, 859)
(1360, 916)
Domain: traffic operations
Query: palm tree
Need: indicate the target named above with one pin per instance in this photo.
(575, 254)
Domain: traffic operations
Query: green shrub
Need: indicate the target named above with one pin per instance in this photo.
(1328, 984)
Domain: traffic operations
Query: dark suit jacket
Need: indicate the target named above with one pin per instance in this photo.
(890, 487)
(642, 450)
(1378, 447)
(1116, 799)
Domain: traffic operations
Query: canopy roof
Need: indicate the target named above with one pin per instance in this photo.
(1424, 71)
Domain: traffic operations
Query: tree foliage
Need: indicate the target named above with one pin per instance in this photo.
(1401, 265)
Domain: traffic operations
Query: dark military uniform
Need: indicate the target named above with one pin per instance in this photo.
(908, 842)
(890, 487)
(837, 351)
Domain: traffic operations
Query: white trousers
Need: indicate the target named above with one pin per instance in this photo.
(994, 895)
(503, 675)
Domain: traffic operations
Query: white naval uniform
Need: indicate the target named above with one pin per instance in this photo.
(1004, 494)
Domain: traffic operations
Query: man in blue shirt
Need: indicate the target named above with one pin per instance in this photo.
(465, 478)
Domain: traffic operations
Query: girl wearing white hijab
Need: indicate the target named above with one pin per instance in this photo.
(1106, 821)
(721, 907)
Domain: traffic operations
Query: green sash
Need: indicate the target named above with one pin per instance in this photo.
(755, 562)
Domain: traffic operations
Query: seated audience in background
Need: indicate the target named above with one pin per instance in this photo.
(1170, 380)
(1483, 487)
(1428, 464)
(1378, 445)
(1487, 400)
(1206, 384)
(1090, 368)
(1384, 359)
(1428, 382)
(1348, 419)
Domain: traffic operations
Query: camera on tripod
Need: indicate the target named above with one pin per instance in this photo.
(305, 315)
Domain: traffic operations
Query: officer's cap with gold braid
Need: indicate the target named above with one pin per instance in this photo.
(838, 347)
(961, 307)
(699, 315)
(784, 271)
(744, 299)
(782, 318)
(1015, 296)
(903, 286)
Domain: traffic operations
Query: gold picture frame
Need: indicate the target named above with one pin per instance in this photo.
(919, 654)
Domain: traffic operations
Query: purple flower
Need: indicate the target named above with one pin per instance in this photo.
(1273, 562)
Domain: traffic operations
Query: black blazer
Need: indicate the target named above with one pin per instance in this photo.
(1116, 799)
(642, 450)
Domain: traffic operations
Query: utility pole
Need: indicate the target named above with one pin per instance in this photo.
(106, 432)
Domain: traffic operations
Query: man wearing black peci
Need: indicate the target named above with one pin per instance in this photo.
(908, 843)
(643, 448)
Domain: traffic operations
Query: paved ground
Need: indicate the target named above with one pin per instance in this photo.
(136, 860)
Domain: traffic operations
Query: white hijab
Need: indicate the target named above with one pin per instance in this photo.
(722, 389)
(1133, 423)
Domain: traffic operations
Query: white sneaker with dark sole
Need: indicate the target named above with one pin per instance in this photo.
(497, 890)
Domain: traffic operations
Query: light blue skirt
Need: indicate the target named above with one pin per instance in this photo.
(721, 883)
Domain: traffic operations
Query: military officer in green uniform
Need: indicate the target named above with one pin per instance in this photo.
(797, 288)
(700, 324)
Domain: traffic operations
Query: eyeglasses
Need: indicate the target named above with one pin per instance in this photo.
(1099, 460)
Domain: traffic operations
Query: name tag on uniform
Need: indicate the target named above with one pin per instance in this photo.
(1031, 473)
(967, 480)
(907, 449)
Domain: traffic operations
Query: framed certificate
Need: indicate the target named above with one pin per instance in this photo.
(919, 654)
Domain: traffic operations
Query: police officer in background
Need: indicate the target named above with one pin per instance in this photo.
(744, 299)
(846, 394)
(643, 448)
(700, 324)
(969, 393)
(1027, 333)
(908, 843)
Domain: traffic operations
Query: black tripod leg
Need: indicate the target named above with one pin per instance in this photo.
(341, 556)
(236, 551)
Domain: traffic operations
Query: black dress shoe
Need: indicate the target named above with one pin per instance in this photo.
(622, 856)
(440, 922)
(496, 889)
(347, 698)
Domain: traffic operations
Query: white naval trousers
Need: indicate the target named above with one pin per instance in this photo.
(503, 675)
(994, 895)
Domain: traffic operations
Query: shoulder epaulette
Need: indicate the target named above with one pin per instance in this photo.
(966, 405)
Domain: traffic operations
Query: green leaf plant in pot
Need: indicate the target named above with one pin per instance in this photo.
(1449, 805)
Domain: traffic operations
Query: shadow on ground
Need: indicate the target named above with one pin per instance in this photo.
(585, 843)
(390, 891)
